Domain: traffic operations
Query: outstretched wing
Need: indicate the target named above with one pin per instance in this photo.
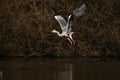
(61, 20)
(78, 12)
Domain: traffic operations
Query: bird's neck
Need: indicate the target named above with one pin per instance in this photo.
(58, 33)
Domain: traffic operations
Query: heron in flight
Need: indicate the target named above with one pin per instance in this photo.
(66, 24)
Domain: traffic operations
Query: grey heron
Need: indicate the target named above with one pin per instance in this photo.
(66, 24)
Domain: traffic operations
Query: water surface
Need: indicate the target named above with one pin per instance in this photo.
(59, 69)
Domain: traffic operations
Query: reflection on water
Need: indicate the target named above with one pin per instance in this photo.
(1, 75)
(59, 69)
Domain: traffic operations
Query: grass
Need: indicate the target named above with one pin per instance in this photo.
(25, 27)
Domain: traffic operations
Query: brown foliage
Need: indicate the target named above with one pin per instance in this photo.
(25, 27)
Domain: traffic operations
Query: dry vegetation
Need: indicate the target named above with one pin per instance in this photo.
(25, 27)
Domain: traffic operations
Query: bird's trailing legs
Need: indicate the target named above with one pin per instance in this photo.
(72, 43)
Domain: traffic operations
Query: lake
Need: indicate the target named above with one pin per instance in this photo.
(59, 69)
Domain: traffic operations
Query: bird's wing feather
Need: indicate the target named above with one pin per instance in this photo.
(61, 21)
(69, 28)
(78, 12)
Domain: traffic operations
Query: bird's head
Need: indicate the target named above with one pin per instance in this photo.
(57, 32)
(54, 31)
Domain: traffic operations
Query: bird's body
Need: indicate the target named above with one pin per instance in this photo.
(66, 24)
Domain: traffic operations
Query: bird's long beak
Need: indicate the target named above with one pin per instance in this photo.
(51, 30)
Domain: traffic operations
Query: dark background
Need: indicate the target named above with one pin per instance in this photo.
(25, 27)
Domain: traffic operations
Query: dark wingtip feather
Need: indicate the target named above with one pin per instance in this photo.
(71, 18)
(54, 11)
